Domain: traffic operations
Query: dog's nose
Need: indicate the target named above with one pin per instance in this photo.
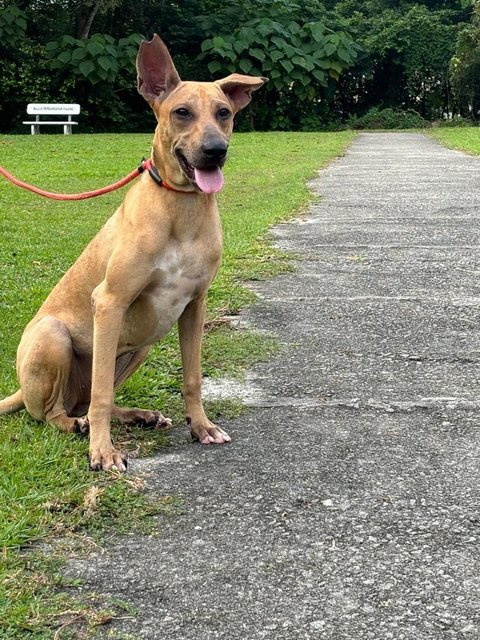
(215, 151)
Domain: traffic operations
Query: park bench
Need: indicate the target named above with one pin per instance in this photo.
(39, 110)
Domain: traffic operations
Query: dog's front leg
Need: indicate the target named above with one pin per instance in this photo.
(108, 317)
(190, 327)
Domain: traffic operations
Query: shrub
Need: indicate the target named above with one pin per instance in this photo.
(377, 118)
(456, 121)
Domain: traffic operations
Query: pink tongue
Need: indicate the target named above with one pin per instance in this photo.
(209, 180)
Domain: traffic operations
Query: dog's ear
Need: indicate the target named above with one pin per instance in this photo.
(157, 75)
(239, 88)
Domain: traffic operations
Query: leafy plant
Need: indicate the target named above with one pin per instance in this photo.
(303, 61)
(101, 72)
(13, 25)
(291, 54)
(96, 59)
(424, 42)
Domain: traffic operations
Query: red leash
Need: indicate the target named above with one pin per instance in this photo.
(146, 165)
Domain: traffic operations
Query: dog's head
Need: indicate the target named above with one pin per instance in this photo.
(195, 119)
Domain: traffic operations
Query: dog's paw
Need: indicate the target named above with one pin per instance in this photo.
(108, 460)
(142, 418)
(81, 426)
(208, 433)
(154, 419)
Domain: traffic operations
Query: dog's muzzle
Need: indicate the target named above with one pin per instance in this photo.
(204, 171)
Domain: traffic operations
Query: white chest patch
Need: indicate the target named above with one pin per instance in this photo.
(170, 269)
(177, 278)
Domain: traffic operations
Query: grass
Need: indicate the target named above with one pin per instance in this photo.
(45, 487)
(462, 138)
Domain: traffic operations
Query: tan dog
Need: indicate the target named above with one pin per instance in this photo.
(149, 266)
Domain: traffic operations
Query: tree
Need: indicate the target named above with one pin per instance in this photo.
(465, 68)
(86, 13)
(405, 55)
(326, 59)
(303, 59)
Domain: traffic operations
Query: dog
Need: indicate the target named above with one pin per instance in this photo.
(150, 266)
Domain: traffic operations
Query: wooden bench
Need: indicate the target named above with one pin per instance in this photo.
(39, 110)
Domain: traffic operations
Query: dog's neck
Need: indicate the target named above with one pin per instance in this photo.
(174, 178)
(156, 177)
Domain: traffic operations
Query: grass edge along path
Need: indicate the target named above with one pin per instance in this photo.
(466, 139)
(44, 481)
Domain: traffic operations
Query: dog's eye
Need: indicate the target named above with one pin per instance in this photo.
(182, 112)
(224, 113)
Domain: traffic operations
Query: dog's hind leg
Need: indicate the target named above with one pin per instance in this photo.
(44, 364)
(126, 365)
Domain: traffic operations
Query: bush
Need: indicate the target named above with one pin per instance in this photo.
(456, 121)
(303, 59)
(377, 118)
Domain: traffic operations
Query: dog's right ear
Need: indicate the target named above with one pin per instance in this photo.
(157, 75)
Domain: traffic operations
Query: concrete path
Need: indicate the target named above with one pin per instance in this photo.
(348, 504)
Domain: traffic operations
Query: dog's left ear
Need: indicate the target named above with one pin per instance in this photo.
(239, 88)
(157, 75)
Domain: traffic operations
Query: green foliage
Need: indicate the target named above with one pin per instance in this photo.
(302, 60)
(453, 123)
(423, 42)
(25, 78)
(292, 55)
(101, 73)
(465, 68)
(327, 60)
(388, 118)
(96, 59)
(406, 51)
(13, 25)
(16, 58)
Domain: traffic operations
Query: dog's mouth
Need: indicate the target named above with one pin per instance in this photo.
(207, 179)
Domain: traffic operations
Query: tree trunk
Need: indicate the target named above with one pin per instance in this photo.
(85, 19)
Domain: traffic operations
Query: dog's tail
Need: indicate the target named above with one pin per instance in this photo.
(12, 403)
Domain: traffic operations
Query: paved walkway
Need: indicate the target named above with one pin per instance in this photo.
(348, 504)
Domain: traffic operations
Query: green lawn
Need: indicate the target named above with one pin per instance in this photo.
(461, 138)
(45, 487)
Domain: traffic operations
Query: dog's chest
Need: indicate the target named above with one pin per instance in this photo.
(179, 275)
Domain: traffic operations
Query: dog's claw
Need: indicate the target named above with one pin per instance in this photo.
(160, 421)
(163, 423)
(222, 438)
(81, 426)
(113, 460)
(209, 434)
